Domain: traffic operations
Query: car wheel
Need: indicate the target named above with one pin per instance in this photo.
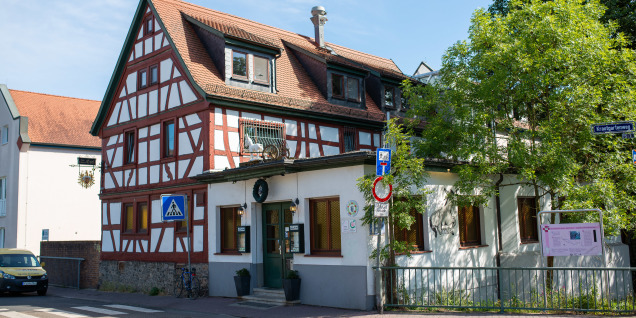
(42, 292)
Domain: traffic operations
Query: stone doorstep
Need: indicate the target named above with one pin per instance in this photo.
(270, 296)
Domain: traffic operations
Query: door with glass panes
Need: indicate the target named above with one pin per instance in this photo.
(276, 256)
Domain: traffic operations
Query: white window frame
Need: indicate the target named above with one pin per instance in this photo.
(5, 135)
(3, 197)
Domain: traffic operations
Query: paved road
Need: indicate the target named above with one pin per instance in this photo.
(72, 303)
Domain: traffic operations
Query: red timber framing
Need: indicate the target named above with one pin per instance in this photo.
(148, 245)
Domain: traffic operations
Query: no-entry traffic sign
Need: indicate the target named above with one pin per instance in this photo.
(383, 196)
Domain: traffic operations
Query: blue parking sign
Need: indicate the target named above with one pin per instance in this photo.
(382, 161)
(173, 207)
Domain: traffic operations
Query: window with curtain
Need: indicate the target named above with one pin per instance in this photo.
(527, 209)
(229, 221)
(325, 226)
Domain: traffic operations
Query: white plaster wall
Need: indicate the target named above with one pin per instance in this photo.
(9, 169)
(311, 185)
(52, 198)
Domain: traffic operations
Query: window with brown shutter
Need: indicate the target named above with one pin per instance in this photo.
(325, 226)
(469, 226)
(414, 235)
(527, 209)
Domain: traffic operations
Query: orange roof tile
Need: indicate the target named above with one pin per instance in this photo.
(57, 119)
(295, 87)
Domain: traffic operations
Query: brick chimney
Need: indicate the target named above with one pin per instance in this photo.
(318, 19)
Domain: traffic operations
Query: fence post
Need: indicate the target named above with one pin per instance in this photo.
(501, 301)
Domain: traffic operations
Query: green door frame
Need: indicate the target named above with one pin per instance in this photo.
(276, 218)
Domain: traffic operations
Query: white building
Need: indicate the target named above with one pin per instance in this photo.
(41, 191)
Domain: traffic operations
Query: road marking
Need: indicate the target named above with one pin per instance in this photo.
(100, 310)
(14, 314)
(132, 308)
(62, 313)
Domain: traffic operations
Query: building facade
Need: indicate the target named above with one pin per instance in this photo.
(266, 132)
(49, 177)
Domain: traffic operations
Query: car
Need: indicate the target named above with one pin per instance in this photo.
(20, 271)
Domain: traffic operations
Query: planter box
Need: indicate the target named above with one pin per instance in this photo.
(292, 288)
(242, 284)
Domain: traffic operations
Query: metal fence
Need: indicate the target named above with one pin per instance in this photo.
(582, 289)
(62, 271)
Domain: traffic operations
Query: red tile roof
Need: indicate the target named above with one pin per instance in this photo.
(57, 119)
(295, 87)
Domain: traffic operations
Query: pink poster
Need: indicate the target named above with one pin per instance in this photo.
(572, 239)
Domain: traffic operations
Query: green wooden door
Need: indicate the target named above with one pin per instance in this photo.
(276, 218)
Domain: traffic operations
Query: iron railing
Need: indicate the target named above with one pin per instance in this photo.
(62, 271)
(583, 289)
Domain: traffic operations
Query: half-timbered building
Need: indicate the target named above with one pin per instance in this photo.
(197, 92)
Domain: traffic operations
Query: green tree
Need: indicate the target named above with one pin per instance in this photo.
(408, 177)
(520, 97)
(622, 12)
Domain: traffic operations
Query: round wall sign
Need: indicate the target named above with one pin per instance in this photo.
(385, 196)
(352, 208)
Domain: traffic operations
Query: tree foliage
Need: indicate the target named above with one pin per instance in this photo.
(520, 97)
(408, 177)
(622, 12)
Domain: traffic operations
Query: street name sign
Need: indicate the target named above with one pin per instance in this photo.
(613, 128)
(173, 207)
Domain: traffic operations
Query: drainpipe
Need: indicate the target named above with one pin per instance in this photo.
(499, 243)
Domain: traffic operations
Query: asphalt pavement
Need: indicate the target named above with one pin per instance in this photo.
(235, 307)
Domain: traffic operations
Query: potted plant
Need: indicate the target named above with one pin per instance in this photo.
(291, 285)
(242, 282)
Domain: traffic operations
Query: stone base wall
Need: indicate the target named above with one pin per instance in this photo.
(135, 276)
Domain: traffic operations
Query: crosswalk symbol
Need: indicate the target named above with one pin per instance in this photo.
(173, 207)
(174, 210)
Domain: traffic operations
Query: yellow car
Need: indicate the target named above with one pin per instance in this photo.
(20, 271)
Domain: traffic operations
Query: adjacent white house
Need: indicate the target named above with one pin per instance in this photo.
(44, 190)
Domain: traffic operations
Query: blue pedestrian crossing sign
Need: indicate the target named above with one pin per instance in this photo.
(382, 161)
(173, 207)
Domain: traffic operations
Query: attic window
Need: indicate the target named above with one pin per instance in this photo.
(345, 87)
(389, 96)
(149, 25)
(239, 65)
(261, 70)
(337, 86)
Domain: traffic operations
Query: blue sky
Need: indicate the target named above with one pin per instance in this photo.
(70, 47)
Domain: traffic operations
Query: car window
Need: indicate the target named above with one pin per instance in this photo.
(18, 260)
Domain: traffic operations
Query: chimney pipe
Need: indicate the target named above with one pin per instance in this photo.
(318, 18)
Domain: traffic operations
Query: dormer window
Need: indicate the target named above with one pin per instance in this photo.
(345, 87)
(261, 70)
(337, 86)
(353, 89)
(239, 65)
(389, 96)
(250, 70)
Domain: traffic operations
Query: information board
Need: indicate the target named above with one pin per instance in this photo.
(572, 239)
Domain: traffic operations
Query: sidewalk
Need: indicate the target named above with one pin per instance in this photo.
(220, 306)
